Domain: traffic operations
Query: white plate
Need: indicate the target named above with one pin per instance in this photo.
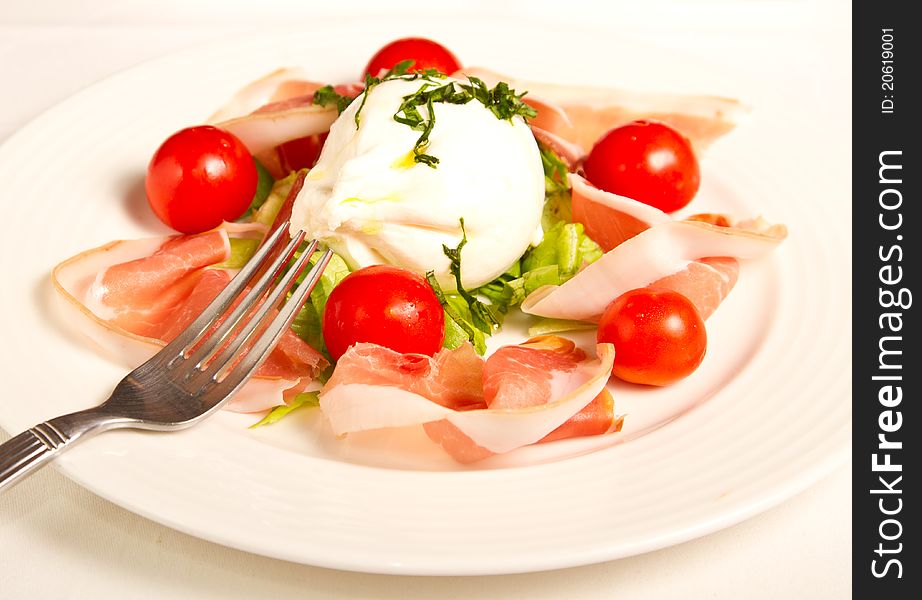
(767, 414)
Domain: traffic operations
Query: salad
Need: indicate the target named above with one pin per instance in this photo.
(453, 198)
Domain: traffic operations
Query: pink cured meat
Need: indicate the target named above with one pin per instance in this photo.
(596, 418)
(452, 378)
(521, 376)
(77, 282)
(705, 282)
(610, 219)
(292, 358)
(373, 388)
(140, 295)
(582, 114)
(209, 285)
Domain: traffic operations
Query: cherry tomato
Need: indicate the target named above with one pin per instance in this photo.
(647, 161)
(658, 335)
(426, 54)
(199, 177)
(385, 305)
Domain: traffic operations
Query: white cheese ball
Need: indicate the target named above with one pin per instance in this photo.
(369, 201)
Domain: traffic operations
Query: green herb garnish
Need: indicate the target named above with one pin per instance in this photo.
(502, 101)
(483, 317)
(467, 318)
(326, 96)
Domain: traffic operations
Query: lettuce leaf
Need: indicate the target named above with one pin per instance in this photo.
(242, 250)
(308, 321)
(304, 399)
(460, 324)
(264, 184)
(548, 326)
(270, 208)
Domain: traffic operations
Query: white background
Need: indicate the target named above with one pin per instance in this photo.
(59, 540)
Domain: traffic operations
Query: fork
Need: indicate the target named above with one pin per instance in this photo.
(195, 374)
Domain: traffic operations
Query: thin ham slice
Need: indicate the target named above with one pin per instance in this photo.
(278, 109)
(95, 288)
(664, 250)
(292, 359)
(521, 376)
(263, 131)
(610, 219)
(452, 378)
(356, 402)
(706, 282)
(140, 295)
(582, 114)
(278, 85)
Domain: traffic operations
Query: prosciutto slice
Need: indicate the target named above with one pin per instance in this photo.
(278, 85)
(277, 109)
(582, 114)
(610, 219)
(131, 297)
(507, 419)
(669, 249)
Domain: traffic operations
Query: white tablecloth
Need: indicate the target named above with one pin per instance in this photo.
(58, 540)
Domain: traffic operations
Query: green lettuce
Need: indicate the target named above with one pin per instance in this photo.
(304, 399)
(307, 323)
(270, 207)
(242, 250)
(264, 184)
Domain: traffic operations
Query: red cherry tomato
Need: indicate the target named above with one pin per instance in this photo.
(647, 161)
(199, 177)
(658, 335)
(385, 305)
(426, 54)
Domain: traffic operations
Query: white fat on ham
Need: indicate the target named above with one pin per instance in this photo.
(645, 213)
(358, 407)
(662, 250)
(280, 84)
(264, 130)
(590, 111)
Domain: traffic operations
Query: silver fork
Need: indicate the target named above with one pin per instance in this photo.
(196, 373)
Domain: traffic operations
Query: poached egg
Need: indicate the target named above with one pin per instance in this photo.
(372, 203)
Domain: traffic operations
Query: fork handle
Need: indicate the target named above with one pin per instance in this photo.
(25, 453)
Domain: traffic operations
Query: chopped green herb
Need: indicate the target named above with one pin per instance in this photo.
(326, 96)
(501, 100)
(459, 326)
(483, 317)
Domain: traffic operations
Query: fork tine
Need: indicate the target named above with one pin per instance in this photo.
(230, 375)
(215, 339)
(222, 301)
(230, 351)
